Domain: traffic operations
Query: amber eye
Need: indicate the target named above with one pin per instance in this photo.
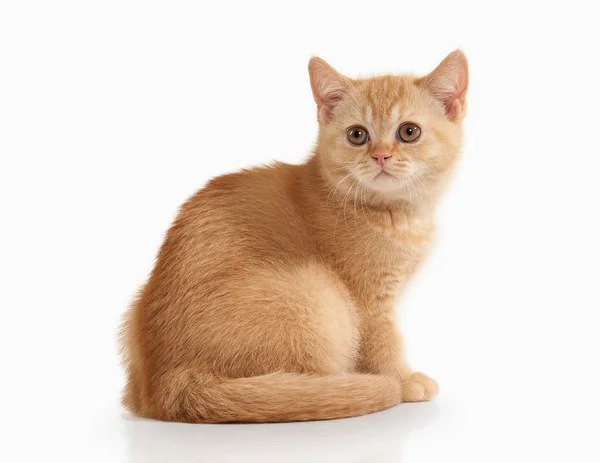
(409, 132)
(357, 135)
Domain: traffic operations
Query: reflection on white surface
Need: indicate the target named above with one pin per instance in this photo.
(378, 437)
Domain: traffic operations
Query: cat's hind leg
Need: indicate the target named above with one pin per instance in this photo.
(281, 346)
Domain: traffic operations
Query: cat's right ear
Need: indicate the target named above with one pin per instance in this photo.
(328, 87)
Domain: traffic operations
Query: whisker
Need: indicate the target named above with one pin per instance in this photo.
(362, 202)
(345, 196)
(424, 187)
(417, 192)
(334, 189)
(409, 186)
(342, 206)
(355, 196)
(335, 170)
(421, 191)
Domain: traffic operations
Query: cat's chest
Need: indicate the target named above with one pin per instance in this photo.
(383, 254)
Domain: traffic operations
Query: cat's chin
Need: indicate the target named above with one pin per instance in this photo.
(389, 190)
(385, 182)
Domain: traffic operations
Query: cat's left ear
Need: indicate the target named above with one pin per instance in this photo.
(448, 84)
(328, 86)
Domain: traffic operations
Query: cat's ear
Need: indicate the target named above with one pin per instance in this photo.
(328, 87)
(448, 84)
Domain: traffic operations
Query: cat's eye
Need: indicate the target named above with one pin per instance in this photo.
(357, 135)
(409, 132)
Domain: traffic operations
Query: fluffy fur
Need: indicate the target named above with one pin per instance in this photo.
(272, 296)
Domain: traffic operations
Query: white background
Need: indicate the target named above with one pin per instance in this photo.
(113, 112)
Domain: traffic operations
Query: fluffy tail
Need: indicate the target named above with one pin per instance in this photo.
(193, 397)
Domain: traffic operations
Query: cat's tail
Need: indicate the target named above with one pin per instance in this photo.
(193, 397)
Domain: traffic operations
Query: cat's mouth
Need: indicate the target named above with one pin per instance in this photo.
(383, 174)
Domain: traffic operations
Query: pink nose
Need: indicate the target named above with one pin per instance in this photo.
(381, 158)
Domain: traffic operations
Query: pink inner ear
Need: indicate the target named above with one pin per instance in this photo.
(449, 89)
(454, 108)
(329, 87)
(329, 102)
(448, 83)
(452, 102)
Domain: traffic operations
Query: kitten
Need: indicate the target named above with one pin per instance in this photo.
(272, 297)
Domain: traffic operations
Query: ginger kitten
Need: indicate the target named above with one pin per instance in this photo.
(273, 294)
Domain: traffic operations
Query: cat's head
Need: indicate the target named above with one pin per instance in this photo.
(393, 137)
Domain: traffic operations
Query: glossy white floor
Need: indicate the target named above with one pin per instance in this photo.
(523, 429)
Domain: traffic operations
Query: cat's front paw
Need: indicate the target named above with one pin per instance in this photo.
(419, 388)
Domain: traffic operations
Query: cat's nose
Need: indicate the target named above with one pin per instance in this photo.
(380, 158)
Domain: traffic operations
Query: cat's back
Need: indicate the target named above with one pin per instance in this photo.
(253, 214)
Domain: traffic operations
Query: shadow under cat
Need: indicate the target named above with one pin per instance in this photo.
(376, 437)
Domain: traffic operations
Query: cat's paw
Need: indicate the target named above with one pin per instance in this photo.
(419, 388)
